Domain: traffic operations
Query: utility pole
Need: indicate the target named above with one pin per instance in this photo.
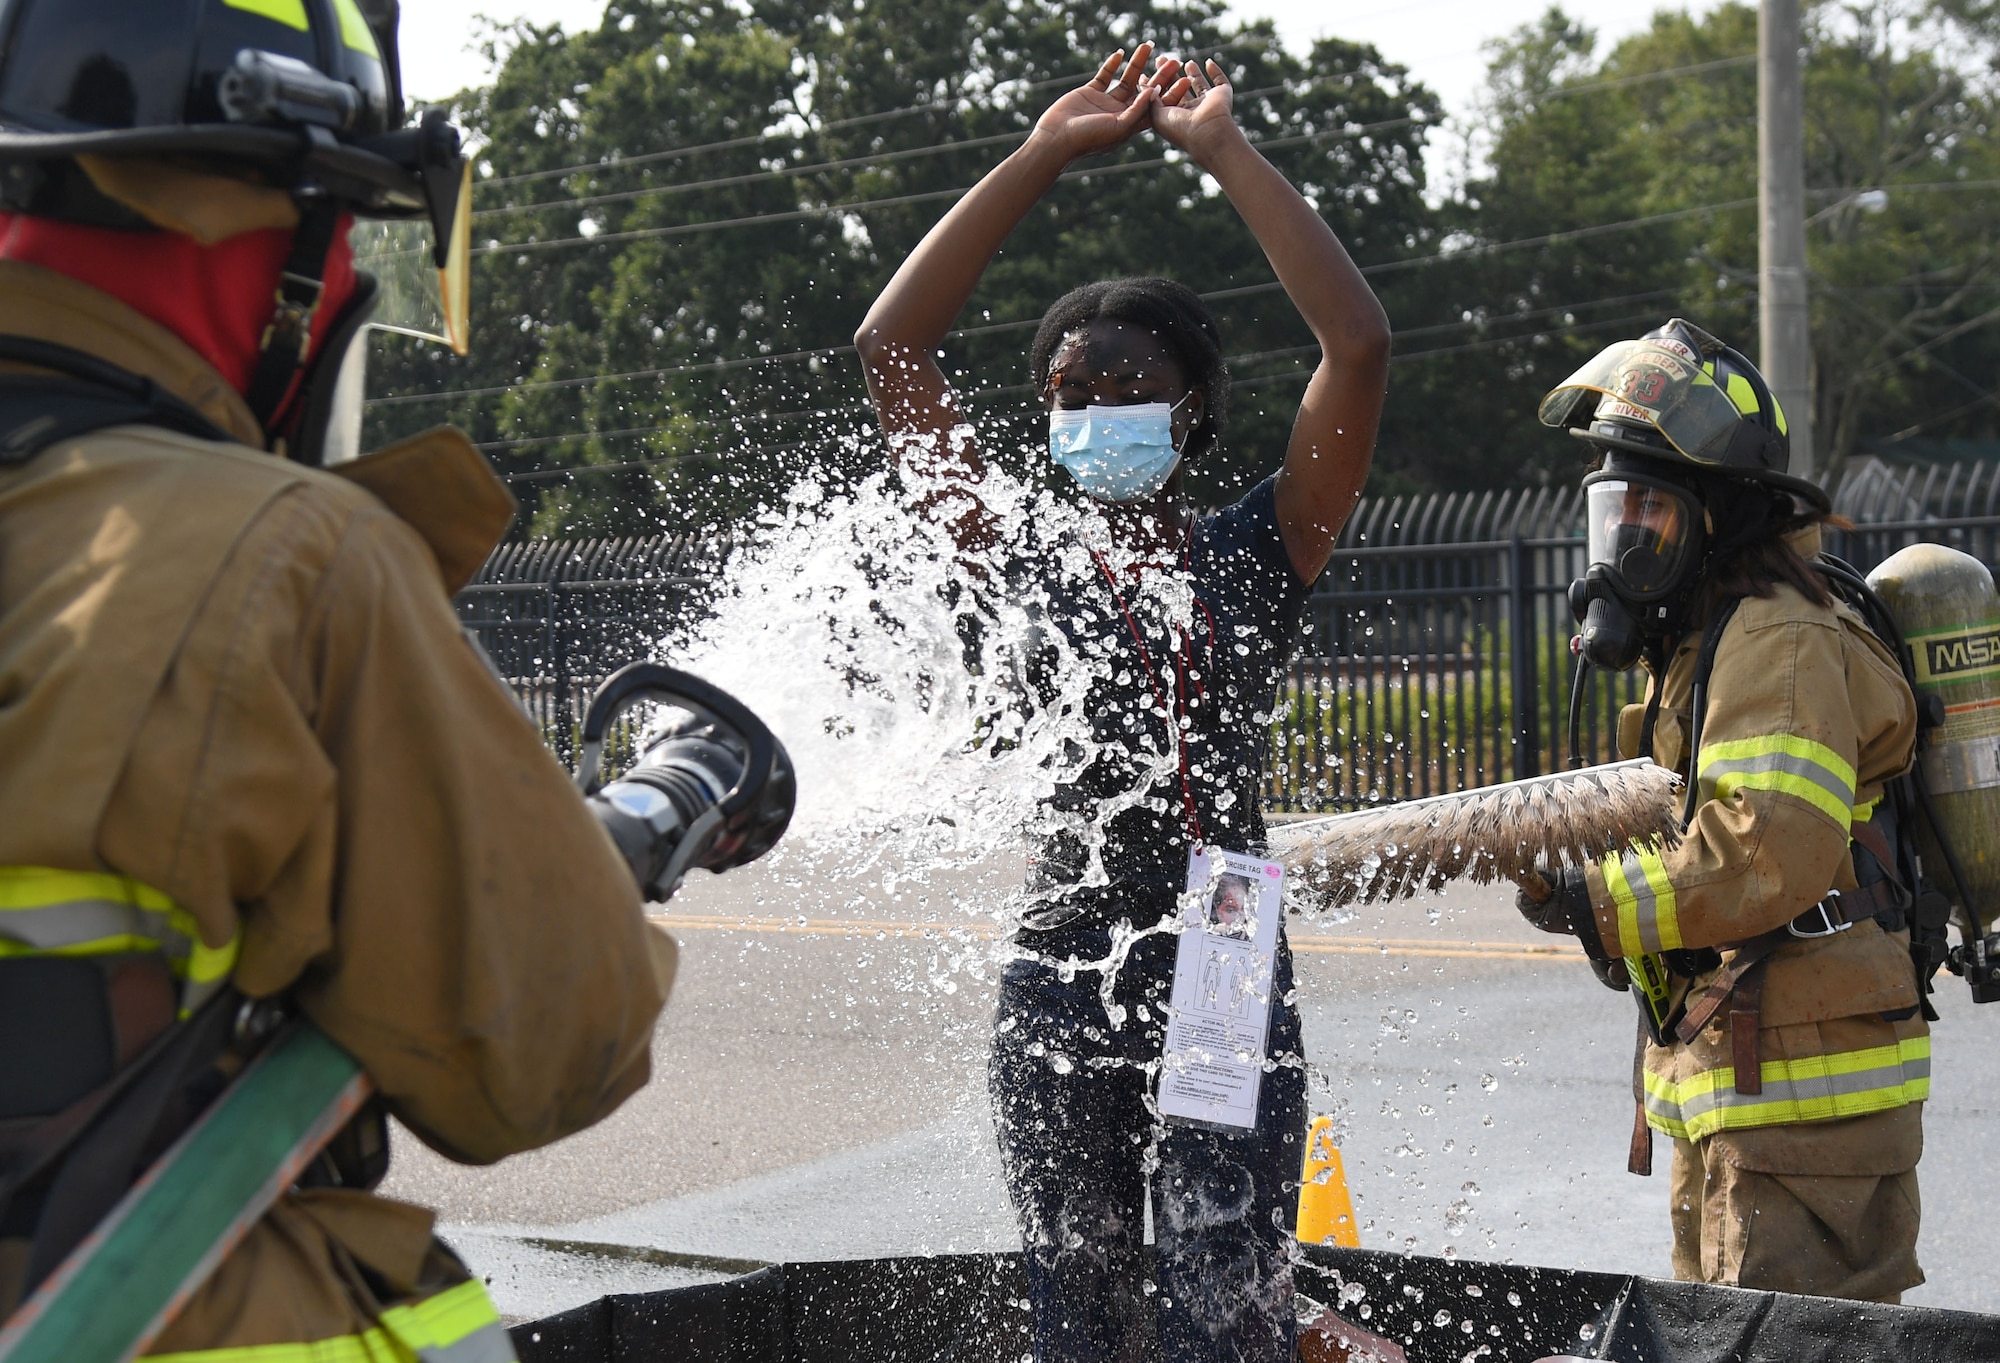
(1784, 322)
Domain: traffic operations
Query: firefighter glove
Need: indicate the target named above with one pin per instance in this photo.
(1611, 974)
(1566, 911)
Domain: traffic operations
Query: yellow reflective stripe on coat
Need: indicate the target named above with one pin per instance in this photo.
(1648, 919)
(50, 912)
(1817, 1088)
(458, 1325)
(1786, 764)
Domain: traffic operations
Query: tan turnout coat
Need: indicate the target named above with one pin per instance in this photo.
(1808, 715)
(241, 682)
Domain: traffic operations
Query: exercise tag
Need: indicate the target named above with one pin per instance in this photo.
(1220, 1016)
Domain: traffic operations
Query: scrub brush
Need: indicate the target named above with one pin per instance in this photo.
(1493, 833)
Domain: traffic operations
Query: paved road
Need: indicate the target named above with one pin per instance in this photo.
(819, 1092)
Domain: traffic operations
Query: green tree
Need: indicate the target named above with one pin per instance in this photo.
(655, 200)
(1661, 133)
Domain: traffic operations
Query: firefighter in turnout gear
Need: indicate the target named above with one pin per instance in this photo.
(1785, 1050)
(250, 755)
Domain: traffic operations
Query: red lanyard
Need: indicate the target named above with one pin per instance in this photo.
(1176, 717)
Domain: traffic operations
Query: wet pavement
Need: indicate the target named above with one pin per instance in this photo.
(819, 1093)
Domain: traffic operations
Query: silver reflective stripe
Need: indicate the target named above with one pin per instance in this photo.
(78, 922)
(1823, 1089)
(1646, 904)
(487, 1344)
(1803, 767)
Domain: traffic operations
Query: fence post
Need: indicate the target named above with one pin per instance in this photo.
(1521, 643)
(560, 641)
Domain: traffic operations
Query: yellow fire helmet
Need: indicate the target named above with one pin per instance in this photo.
(1680, 395)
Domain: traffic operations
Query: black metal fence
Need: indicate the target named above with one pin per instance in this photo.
(558, 616)
(1436, 654)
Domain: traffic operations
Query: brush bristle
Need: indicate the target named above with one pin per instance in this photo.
(1493, 833)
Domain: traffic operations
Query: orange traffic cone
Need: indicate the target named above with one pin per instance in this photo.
(1326, 1212)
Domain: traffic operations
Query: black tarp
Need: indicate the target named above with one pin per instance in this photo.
(972, 1308)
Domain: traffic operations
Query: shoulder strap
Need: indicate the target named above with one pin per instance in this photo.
(1704, 665)
(1659, 658)
(287, 340)
(1928, 910)
(91, 394)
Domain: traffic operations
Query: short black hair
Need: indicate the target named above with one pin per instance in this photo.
(1171, 311)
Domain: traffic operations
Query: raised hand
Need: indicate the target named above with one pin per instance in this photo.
(1195, 107)
(1106, 111)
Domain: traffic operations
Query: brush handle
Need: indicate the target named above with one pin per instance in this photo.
(1535, 887)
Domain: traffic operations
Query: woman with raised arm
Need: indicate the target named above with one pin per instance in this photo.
(1132, 374)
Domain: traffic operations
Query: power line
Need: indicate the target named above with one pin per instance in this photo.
(854, 121)
(1940, 418)
(751, 177)
(680, 423)
(933, 106)
(828, 210)
(1949, 371)
(1381, 267)
(540, 475)
(709, 225)
(855, 205)
(1252, 357)
(754, 139)
(822, 352)
(544, 475)
(588, 380)
(1495, 342)
(672, 371)
(1536, 314)
(1550, 238)
(1641, 78)
(1490, 343)
(788, 172)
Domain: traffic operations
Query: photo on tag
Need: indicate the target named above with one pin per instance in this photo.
(1231, 907)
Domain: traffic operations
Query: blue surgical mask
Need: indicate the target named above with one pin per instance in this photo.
(1116, 454)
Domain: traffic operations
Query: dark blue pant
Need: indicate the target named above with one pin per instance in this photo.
(1070, 1098)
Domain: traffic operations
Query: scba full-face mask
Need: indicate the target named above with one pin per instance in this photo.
(1646, 541)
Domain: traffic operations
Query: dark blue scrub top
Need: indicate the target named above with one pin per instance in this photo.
(1246, 625)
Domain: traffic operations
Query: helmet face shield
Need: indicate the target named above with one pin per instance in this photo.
(425, 270)
(1663, 384)
(1645, 534)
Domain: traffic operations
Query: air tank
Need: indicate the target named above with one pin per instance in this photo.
(1950, 616)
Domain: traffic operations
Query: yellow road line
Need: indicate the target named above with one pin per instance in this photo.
(1304, 944)
(1464, 951)
(823, 927)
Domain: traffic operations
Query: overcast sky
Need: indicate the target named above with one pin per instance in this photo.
(1439, 40)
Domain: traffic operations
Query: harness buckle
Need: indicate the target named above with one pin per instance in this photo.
(1819, 920)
